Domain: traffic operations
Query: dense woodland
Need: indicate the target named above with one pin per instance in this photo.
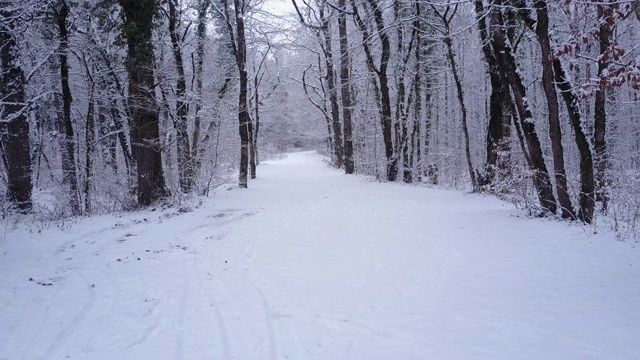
(110, 105)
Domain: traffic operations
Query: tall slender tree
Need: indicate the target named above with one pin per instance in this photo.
(345, 88)
(185, 163)
(239, 48)
(381, 71)
(65, 123)
(446, 16)
(605, 32)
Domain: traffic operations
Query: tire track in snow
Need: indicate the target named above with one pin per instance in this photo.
(227, 351)
(273, 348)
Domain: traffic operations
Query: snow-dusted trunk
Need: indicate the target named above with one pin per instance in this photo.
(587, 182)
(555, 131)
(415, 156)
(498, 127)
(381, 88)
(65, 124)
(446, 18)
(15, 146)
(403, 101)
(144, 110)
(511, 76)
(463, 110)
(198, 64)
(185, 164)
(330, 78)
(600, 114)
(89, 142)
(345, 88)
(243, 111)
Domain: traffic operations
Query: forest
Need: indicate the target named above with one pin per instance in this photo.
(320, 179)
(116, 105)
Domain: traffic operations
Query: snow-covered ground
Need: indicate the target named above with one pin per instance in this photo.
(312, 264)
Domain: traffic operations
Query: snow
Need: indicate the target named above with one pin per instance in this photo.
(309, 263)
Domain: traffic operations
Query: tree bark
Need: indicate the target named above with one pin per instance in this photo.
(69, 172)
(382, 89)
(463, 110)
(499, 117)
(555, 131)
(90, 145)
(201, 35)
(600, 113)
(415, 160)
(404, 101)
(446, 21)
(144, 109)
(238, 43)
(345, 90)
(16, 149)
(331, 87)
(185, 165)
(587, 182)
(510, 74)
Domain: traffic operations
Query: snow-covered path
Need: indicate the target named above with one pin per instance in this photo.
(312, 264)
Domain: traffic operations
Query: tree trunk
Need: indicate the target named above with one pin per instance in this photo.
(555, 131)
(243, 112)
(331, 87)
(385, 99)
(201, 35)
(587, 183)
(511, 76)
(185, 166)
(463, 109)
(404, 101)
(16, 149)
(69, 173)
(90, 146)
(145, 122)
(600, 116)
(415, 161)
(446, 21)
(345, 88)
(252, 143)
(499, 119)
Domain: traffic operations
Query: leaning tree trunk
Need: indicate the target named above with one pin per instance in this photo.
(185, 165)
(587, 182)
(69, 173)
(511, 76)
(446, 21)
(555, 131)
(16, 149)
(145, 122)
(463, 110)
